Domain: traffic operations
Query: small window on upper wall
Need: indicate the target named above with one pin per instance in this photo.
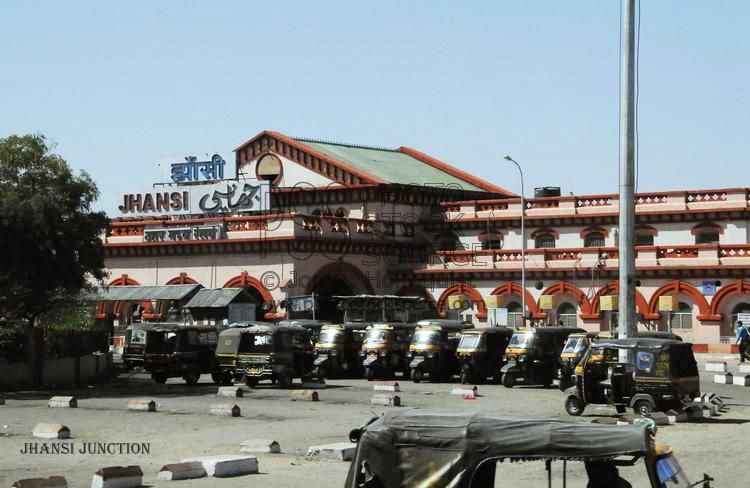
(594, 239)
(492, 240)
(644, 238)
(544, 241)
(707, 236)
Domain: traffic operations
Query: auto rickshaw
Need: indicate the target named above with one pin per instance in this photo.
(227, 351)
(384, 349)
(659, 374)
(337, 350)
(313, 326)
(135, 345)
(533, 355)
(575, 347)
(480, 353)
(275, 353)
(433, 348)
(658, 334)
(472, 450)
(185, 351)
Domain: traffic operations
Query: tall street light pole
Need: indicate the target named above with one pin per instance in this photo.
(626, 317)
(523, 241)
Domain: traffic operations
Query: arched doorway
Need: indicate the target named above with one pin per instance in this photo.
(326, 288)
(740, 308)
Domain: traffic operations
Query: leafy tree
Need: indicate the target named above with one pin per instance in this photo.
(50, 245)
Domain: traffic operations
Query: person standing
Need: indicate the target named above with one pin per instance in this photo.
(743, 337)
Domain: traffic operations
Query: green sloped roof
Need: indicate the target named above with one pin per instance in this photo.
(390, 165)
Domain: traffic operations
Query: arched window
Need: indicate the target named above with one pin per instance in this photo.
(447, 241)
(491, 240)
(594, 239)
(515, 315)
(682, 318)
(707, 233)
(644, 237)
(738, 309)
(566, 315)
(544, 241)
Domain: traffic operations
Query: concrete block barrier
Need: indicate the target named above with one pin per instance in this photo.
(741, 380)
(744, 368)
(676, 417)
(305, 395)
(710, 410)
(386, 399)
(62, 402)
(723, 379)
(224, 409)
(260, 445)
(659, 418)
(694, 412)
(51, 431)
(51, 482)
(118, 477)
(230, 391)
(142, 405)
(716, 366)
(342, 451)
(466, 391)
(182, 471)
(228, 465)
(388, 386)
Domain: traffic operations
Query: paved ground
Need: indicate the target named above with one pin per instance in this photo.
(182, 428)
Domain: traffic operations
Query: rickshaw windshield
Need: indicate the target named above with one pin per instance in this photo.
(521, 340)
(575, 345)
(331, 336)
(426, 338)
(470, 341)
(670, 473)
(378, 336)
(256, 343)
(161, 342)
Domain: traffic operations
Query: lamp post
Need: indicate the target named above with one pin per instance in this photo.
(523, 241)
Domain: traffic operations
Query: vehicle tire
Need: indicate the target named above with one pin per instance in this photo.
(251, 382)
(464, 378)
(225, 378)
(643, 407)
(370, 374)
(574, 406)
(285, 380)
(563, 382)
(497, 378)
(192, 377)
(319, 373)
(509, 380)
(159, 378)
(620, 409)
(216, 377)
(417, 375)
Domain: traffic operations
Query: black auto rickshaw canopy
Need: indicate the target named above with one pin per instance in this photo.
(230, 339)
(408, 448)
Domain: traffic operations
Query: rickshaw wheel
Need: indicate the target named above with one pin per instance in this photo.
(216, 377)
(159, 378)
(574, 406)
(285, 381)
(251, 382)
(370, 374)
(319, 373)
(643, 407)
(509, 380)
(192, 378)
(416, 375)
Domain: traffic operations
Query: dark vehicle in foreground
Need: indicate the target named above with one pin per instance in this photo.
(433, 349)
(473, 450)
(480, 353)
(337, 351)
(384, 350)
(659, 374)
(533, 355)
(227, 351)
(182, 351)
(273, 352)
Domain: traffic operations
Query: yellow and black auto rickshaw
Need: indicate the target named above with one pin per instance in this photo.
(337, 351)
(384, 349)
(533, 355)
(182, 351)
(433, 349)
(227, 351)
(659, 374)
(478, 450)
(134, 347)
(575, 347)
(480, 353)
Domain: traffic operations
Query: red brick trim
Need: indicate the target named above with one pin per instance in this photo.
(592, 230)
(545, 230)
(511, 288)
(563, 287)
(613, 288)
(707, 226)
(461, 288)
(677, 287)
(739, 287)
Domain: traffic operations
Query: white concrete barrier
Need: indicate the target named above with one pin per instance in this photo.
(386, 399)
(305, 395)
(182, 471)
(466, 391)
(676, 417)
(230, 391)
(342, 451)
(723, 379)
(391, 386)
(260, 445)
(744, 368)
(51, 431)
(716, 367)
(743, 380)
(229, 465)
(710, 410)
(62, 402)
(118, 477)
(224, 409)
(51, 482)
(142, 405)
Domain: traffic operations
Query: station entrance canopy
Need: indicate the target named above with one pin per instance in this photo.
(141, 293)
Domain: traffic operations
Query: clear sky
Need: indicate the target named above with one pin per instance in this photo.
(121, 85)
